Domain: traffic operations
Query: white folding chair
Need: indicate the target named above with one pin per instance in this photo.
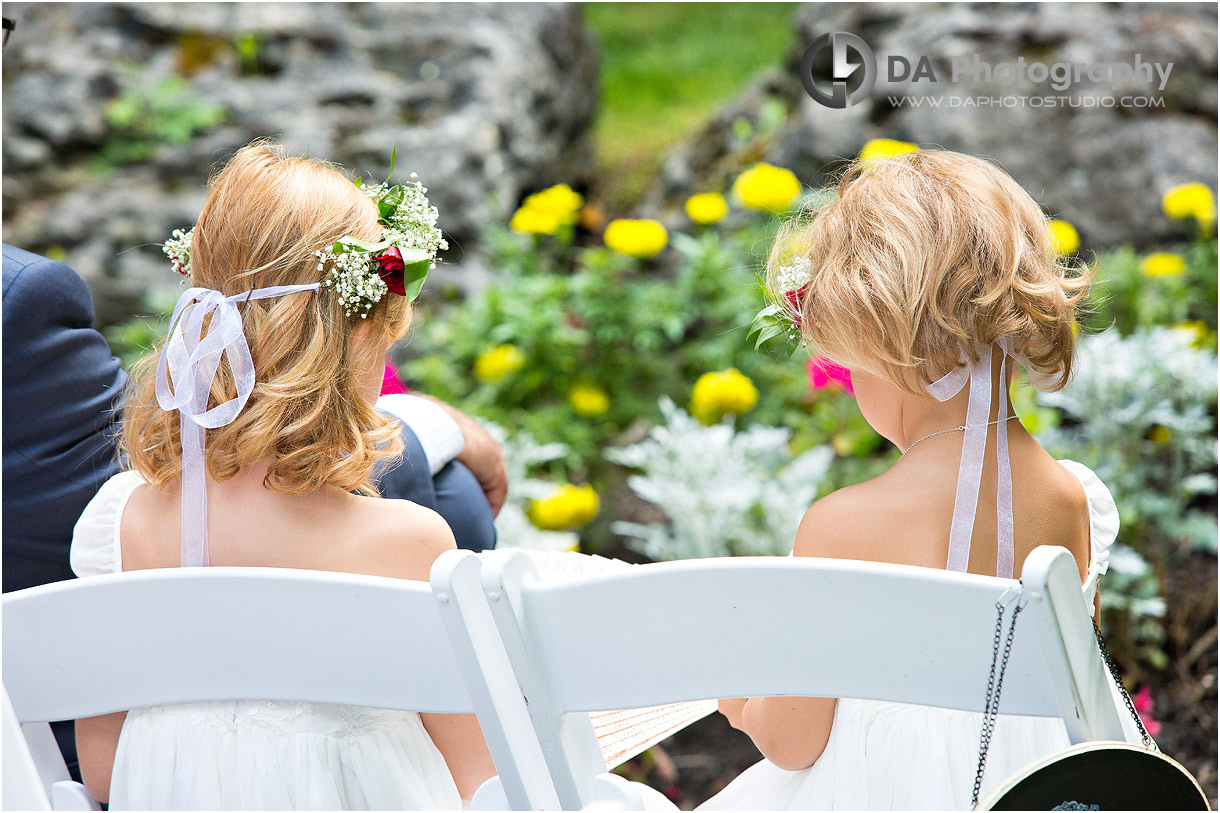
(715, 628)
(158, 637)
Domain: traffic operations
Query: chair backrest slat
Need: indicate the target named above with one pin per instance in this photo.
(712, 628)
(159, 637)
(743, 627)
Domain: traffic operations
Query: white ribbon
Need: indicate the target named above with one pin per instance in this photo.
(189, 360)
(974, 445)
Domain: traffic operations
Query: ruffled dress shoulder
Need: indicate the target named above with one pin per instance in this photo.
(261, 755)
(901, 756)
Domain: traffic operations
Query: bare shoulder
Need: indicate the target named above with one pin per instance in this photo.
(848, 523)
(402, 539)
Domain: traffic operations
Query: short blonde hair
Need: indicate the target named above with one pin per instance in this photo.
(924, 254)
(265, 215)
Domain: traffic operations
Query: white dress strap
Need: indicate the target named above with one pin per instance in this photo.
(1103, 525)
(95, 539)
(974, 446)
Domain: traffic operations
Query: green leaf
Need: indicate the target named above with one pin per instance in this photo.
(393, 156)
(348, 242)
(414, 274)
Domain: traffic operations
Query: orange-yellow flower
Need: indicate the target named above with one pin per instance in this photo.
(1064, 237)
(706, 208)
(497, 363)
(881, 148)
(589, 400)
(767, 188)
(727, 392)
(1188, 200)
(636, 238)
(1162, 264)
(568, 506)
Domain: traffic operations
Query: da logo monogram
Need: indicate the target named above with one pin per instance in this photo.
(840, 43)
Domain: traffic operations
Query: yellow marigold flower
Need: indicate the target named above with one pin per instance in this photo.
(767, 188)
(706, 208)
(1196, 330)
(727, 392)
(636, 238)
(1188, 200)
(1163, 265)
(544, 212)
(1064, 237)
(568, 506)
(589, 400)
(498, 362)
(558, 198)
(528, 220)
(1160, 434)
(881, 148)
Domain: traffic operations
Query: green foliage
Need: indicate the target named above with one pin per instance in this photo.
(144, 117)
(637, 330)
(665, 68)
(1123, 296)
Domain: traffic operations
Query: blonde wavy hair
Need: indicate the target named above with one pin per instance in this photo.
(265, 215)
(922, 255)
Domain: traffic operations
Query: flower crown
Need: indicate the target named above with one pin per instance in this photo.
(361, 272)
(779, 324)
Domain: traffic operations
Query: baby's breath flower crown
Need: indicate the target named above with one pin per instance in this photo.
(362, 272)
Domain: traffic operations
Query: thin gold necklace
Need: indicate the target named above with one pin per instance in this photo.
(946, 431)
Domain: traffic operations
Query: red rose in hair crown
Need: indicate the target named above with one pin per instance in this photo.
(390, 267)
(781, 320)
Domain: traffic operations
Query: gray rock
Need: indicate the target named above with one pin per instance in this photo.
(1102, 168)
(487, 102)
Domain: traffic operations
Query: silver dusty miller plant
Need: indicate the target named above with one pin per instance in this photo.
(724, 492)
(513, 527)
(1142, 413)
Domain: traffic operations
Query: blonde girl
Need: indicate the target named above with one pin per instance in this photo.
(931, 276)
(283, 480)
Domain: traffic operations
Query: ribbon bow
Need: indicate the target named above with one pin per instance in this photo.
(189, 360)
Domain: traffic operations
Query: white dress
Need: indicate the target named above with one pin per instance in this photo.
(261, 755)
(900, 756)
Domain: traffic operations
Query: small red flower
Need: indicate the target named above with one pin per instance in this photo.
(793, 298)
(390, 268)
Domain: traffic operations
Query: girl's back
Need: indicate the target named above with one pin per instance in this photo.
(905, 515)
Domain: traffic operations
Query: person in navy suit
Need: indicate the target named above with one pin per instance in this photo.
(62, 413)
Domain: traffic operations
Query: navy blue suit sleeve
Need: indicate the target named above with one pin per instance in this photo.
(62, 395)
(454, 493)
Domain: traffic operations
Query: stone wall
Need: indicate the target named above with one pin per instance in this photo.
(1103, 169)
(485, 101)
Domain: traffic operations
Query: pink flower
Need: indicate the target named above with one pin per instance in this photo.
(390, 385)
(1144, 706)
(825, 373)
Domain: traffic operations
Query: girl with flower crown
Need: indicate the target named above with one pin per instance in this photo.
(930, 277)
(304, 279)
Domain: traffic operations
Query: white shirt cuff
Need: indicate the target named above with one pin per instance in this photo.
(438, 433)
